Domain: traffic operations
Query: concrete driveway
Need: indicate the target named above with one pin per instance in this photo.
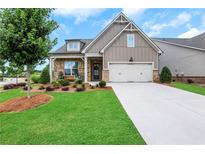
(163, 115)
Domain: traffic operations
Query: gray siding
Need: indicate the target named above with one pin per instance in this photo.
(180, 59)
(106, 37)
(119, 52)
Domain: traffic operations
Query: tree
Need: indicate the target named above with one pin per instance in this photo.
(2, 67)
(15, 71)
(24, 35)
(166, 75)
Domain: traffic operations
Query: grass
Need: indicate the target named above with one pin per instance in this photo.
(94, 117)
(189, 87)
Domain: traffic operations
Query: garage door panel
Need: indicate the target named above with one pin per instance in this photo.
(130, 72)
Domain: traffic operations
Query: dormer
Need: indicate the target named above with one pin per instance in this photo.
(74, 45)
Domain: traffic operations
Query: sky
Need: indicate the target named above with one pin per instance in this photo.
(161, 22)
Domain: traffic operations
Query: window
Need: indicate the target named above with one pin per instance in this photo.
(71, 68)
(73, 46)
(130, 40)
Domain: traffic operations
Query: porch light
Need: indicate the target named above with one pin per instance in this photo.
(131, 59)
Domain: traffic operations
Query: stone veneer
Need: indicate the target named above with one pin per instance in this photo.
(59, 66)
(105, 75)
(156, 77)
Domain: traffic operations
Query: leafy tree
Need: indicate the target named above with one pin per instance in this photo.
(2, 67)
(15, 70)
(24, 35)
(166, 75)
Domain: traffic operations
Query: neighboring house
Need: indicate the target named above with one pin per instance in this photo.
(184, 57)
(120, 53)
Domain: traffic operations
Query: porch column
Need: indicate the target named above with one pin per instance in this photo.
(86, 69)
(50, 69)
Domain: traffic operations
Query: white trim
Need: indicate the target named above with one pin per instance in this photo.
(93, 55)
(120, 14)
(132, 35)
(70, 56)
(50, 69)
(185, 46)
(146, 37)
(102, 50)
(85, 69)
(73, 49)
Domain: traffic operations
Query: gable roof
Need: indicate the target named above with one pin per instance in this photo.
(63, 48)
(119, 17)
(197, 42)
(134, 27)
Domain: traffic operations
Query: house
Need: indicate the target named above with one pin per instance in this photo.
(184, 57)
(122, 52)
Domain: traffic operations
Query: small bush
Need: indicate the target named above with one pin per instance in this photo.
(9, 86)
(41, 87)
(35, 78)
(78, 81)
(65, 88)
(173, 80)
(97, 85)
(26, 87)
(60, 75)
(166, 75)
(92, 87)
(50, 88)
(21, 84)
(80, 89)
(56, 85)
(63, 82)
(74, 85)
(83, 85)
(190, 81)
(102, 84)
(45, 78)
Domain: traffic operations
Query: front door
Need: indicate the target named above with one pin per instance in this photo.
(96, 72)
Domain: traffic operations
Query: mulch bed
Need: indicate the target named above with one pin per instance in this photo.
(23, 103)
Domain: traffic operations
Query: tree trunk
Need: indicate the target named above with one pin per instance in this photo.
(28, 81)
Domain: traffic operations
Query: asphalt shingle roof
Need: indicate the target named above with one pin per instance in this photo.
(197, 41)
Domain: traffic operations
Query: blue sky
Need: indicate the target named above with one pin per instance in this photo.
(87, 23)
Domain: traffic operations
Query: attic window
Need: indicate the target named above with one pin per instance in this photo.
(130, 40)
(73, 46)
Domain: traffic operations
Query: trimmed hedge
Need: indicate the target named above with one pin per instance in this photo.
(166, 75)
(35, 78)
(102, 84)
(63, 82)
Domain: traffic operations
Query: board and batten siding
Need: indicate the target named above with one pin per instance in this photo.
(119, 52)
(106, 37)
(182, 60)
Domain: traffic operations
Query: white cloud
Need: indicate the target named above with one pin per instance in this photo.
(156, 28)
(80, 15)
(190, 33)
(133, 13)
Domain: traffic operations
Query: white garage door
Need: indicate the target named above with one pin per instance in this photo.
(130, 72)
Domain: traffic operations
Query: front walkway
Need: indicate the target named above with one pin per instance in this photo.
(163, 115)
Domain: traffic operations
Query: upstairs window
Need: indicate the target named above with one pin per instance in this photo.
(73, 46)
(130, 40)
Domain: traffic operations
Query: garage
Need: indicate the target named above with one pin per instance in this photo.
(130, 72)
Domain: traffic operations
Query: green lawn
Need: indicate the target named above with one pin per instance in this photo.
(190, 87)
(94, 117)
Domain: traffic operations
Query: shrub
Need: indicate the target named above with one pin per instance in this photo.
(165, 75)
(83, 85)
(56, 85)
(21, 84)
(60, 75)
(65, 88)
(41, 87)
(80, 89)
(102, 84)
(190, 81)
(97, 85)
(49, 88)
(78, 81)
(74, 86)
(9, 86)
(26, 87)
(92, 87)
(63, 82)
(45, 78)
(35, 78)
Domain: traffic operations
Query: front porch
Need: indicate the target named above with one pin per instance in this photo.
(86, 68)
